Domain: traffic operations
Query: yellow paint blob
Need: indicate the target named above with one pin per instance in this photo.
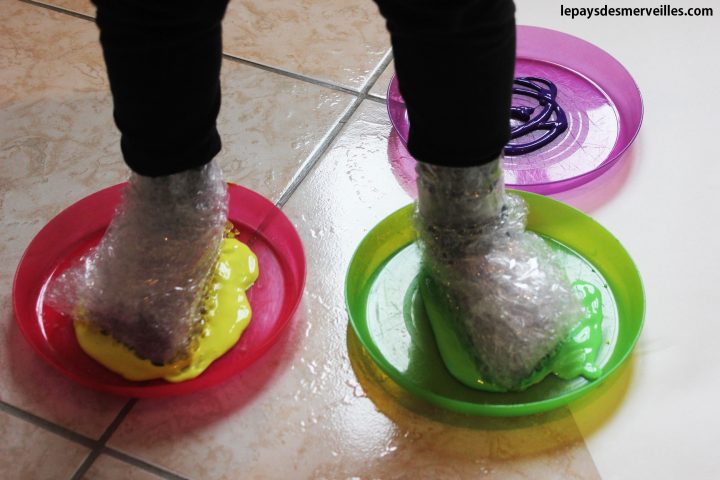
(226, 314)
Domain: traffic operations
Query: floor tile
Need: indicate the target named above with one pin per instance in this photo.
(109, 468)
(270, 124)
(28, 452)
(337, 41)
(340, 41)
(302, 411)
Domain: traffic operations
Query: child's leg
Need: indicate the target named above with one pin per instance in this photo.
(454, 62)
(144, 281)
(163, 60)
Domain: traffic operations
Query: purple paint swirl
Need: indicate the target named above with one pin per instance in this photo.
(550, 118)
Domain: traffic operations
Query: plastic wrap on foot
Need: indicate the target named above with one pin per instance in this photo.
(143, 283)
(511, 299)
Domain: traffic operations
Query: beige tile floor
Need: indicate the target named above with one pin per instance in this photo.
(109, 468)
(303, 123)
(316, 415)
(30, 451)
(340, 42)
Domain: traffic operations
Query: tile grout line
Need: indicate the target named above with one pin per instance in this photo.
(318, 152)
(376, 99)
(57, 9)
(48, 425)
(375, 75)
(100, 444)
(88, 442)
(289, 74)
(136, 462)
(330, 137)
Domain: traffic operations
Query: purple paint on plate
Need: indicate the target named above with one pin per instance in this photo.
(534, 126)
(600, 99)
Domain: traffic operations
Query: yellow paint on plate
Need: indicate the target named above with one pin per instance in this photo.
(226, 314)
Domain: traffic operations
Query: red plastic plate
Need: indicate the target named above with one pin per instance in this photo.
(274, 297)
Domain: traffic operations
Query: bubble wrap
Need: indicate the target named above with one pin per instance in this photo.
(512, 300)
(143, 284)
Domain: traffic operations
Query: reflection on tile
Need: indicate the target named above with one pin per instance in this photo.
(109, 468)
(340, 41)
(301, 411)
(30, 452)
(380, 87)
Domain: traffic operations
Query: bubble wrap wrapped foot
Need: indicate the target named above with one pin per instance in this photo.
(513, 302)
(143, 284)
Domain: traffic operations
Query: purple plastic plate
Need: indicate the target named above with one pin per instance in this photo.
(599, 97)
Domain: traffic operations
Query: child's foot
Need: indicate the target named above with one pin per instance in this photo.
(144, 281)
(515, 303)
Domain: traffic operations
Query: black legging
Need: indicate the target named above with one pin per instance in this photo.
(454, 61)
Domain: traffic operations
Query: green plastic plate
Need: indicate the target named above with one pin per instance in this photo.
(388, 316)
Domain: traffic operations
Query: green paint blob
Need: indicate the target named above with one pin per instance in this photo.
(576, 356)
